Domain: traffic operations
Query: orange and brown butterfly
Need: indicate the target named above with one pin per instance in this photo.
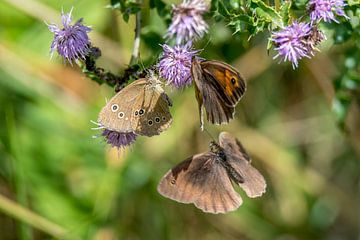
(206, 179)
(218, 87)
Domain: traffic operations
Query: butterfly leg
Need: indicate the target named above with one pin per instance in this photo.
(201, 118)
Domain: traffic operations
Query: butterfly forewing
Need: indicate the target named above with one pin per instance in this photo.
(217, 111)
(203, 181)
(151, 114)
(227, 81)
(117, 113)
(218, 87)
(253, 182)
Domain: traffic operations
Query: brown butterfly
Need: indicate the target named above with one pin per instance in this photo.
(141, 107)
(218, 87)
(205, 179)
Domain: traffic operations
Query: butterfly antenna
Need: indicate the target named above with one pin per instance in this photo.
(209, 134)
(207, 43)
(141, 63)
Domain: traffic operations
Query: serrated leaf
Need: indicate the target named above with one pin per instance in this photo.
(222, 9)
(126, 7)
(353, 2)
(285, 12)
(268, 14)
(162, 8)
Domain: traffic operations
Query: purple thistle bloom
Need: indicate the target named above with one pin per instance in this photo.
(117, 139)
(315, 37)
(289, 42)
(187, 21)
(71, 41)
(326, 10)
(175, 64)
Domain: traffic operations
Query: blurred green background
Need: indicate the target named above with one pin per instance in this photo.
(57, 182)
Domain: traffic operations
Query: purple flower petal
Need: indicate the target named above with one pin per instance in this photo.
(297, 41)
(175, 64)
(187, 21)
(117, 139)
(289, 42)
(71, 41)
(326, 10)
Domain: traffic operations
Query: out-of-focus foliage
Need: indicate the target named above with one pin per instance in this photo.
(51, 165)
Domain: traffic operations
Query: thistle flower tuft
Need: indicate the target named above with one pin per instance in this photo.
(326, 10)
(315, 37)
(71, 41)
(289, 42)
(187, 21)
(117, 139)
(175, 64)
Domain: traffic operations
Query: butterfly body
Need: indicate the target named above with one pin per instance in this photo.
(218, 87)
(205, 179)
(141, 107)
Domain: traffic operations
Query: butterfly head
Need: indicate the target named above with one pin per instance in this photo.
(214, 147)
(153, 79)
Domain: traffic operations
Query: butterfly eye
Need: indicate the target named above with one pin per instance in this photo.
(114, 107)
(233, 81)
(157, 119)
(150, 122)
(121, 114)
(141, 112)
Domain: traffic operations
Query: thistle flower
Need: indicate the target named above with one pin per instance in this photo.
(117, 139)
(175, 64)
(326, 10)
(315, 37)
(187, 21)
(71, 41)
(289, 42)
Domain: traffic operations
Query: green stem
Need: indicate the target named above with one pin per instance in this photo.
(18, 177)
(23, 214)
(136, 49)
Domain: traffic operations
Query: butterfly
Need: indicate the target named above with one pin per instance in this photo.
(141, 107)
(206, 179)
(218, 87)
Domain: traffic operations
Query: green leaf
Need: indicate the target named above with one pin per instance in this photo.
(267, 14)
(162, 8)
(269, 44)
(353, 2)
(126, 7)
(285, 12)
(340, 107)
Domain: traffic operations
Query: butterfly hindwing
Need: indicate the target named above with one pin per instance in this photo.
(217, 111)
(226, 80)
(151, 112)
(203, 181)
(218, 87)
(253, 183)
(117, 113)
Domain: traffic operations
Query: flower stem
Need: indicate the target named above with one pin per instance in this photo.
(136, 50)
(13, 209)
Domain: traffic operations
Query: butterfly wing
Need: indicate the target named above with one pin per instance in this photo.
(227, 81)
(218, 111)
(253, 183)
(201, 180)
(155, 117)
(117, 113)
